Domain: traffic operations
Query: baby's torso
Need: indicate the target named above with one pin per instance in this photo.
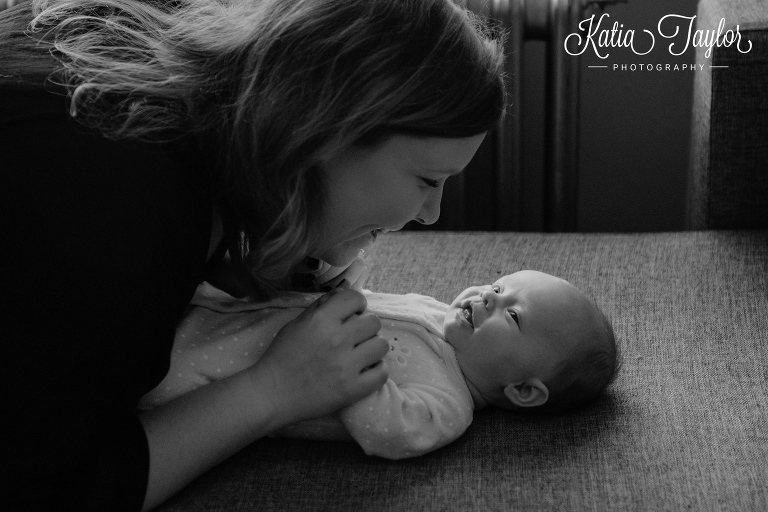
(221, 336)
(218, 338)
(418, 353)
(424, 404)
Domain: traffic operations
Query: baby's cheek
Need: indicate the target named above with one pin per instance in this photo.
(451, 332)
(470, 292)
(447, 323)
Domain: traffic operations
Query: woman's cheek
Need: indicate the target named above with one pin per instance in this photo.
(406, 208)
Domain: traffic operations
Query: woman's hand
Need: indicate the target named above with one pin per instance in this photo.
(329, 357)
(351, 278)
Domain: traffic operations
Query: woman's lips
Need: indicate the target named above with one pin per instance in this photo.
(383, 230)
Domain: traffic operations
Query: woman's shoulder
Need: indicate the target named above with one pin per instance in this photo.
(52, 158)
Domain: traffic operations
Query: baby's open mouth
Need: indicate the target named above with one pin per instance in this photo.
(466, 313)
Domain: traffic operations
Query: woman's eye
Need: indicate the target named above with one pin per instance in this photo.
(513, 314)
(431, 183)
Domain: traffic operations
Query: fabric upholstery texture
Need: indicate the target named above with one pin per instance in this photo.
(728, 176)
(683, 428)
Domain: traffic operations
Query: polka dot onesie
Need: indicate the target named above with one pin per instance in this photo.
(425, 403)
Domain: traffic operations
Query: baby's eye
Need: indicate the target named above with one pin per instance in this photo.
(513, 314)
(431, 183)
(496, 288)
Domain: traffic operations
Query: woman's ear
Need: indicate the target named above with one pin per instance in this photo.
(529, 393)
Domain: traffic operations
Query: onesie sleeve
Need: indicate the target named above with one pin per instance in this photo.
(398, 422)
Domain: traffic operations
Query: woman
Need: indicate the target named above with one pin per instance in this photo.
(270, 129)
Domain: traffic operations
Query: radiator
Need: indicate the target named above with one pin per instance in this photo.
(488, 196)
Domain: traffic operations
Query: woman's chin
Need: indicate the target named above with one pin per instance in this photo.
(344, 254)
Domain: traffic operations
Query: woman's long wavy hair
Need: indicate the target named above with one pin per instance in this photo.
(275, 87)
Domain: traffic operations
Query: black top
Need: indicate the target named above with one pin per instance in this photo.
(104, 244)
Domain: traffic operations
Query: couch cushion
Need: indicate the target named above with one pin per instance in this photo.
(728, 179)
(682, 428)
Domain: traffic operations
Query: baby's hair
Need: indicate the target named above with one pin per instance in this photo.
(581, 379)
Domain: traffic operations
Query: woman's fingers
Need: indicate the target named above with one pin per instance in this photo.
(353, 277)
(373, 377)
(328, 357)
(346, 311)
(343, 304)
(372, 351)
(324, 298)
(361, 328)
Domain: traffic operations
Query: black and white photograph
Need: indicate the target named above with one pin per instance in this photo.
(384, 255)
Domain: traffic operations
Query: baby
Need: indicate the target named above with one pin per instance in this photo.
(528, 342)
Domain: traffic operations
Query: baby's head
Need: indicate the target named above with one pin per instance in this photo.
(531, 340)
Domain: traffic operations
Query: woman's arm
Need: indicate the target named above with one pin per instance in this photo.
(327, 358)
(107, 242)
(201, 429)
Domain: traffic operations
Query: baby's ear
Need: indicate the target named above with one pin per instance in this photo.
(528, 393)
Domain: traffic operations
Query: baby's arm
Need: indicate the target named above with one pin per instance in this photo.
(400, 422)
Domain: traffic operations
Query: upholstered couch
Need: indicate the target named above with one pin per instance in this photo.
(685, 427)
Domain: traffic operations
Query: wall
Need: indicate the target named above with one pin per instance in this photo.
(635, 129)
(634, 137)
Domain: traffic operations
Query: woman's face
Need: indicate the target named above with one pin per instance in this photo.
(383, 187)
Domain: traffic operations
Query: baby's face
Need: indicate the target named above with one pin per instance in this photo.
(514, 329)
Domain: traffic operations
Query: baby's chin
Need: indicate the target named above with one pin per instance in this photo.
(450, 324)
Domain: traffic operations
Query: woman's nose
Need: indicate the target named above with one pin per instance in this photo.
(430, 210)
